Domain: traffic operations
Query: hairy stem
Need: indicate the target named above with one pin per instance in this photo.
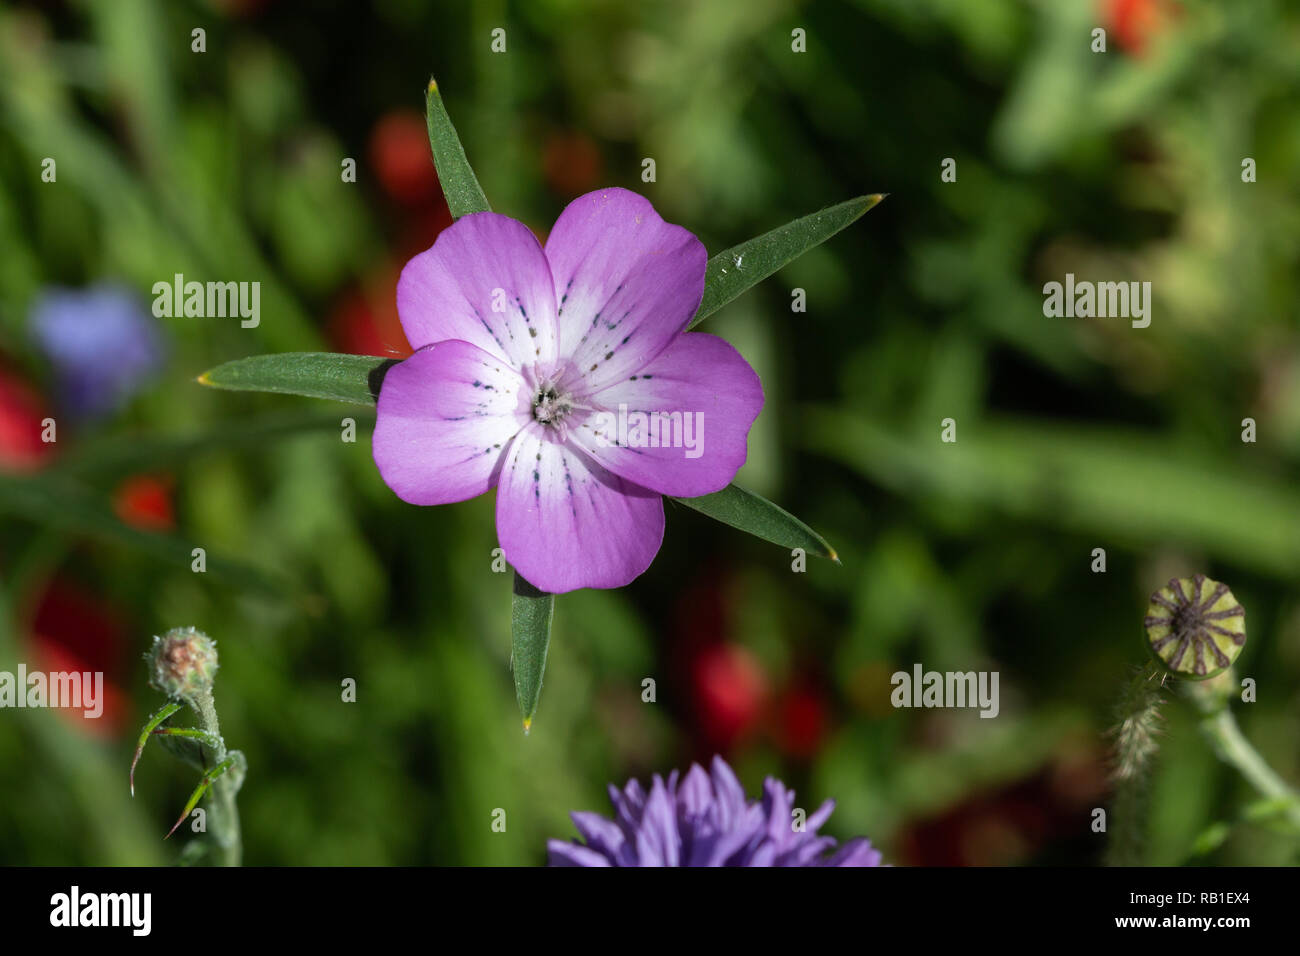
(1136, 737)
(223, 812)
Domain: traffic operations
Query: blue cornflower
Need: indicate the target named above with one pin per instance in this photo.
(705, 820)
(101, 342)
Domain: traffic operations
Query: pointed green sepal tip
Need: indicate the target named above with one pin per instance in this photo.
(733, 271)
(459, 185)
(337, 376)
(754, 514)
(205, 784)
(166, 711)
(531, 614)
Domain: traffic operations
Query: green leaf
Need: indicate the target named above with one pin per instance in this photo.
(1211, 838)
(113, 456)
(459, 184)
(1133, 488)
(53, 502)
(735, 270)
(164, 712)
(1274, 814)
(205, 784)
(186, 748)
(343, 378)
(756, 515)
(530, 629)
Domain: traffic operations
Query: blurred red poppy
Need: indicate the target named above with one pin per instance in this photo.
(1135, 22)
(400, 155)
(22, 413)
(74, 631)
(421, 229)
(365, 321)
(729, 693)
(801, 720)
(145, 502)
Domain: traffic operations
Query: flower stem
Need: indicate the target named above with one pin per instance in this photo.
(223, 812)
(1136, 737)
(1221, 728)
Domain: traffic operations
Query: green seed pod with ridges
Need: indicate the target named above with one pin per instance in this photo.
(1195, 627)
(183, 663)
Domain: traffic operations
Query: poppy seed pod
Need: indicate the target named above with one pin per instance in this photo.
(1195, 627)
(183, 663)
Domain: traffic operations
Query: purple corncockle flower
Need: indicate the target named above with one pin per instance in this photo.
(705, 820)
(102, 343)
(525, 356)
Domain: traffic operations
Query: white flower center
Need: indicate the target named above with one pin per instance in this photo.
(551, 405)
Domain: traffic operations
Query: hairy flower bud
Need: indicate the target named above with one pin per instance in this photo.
(1195, 627)
(183, 663)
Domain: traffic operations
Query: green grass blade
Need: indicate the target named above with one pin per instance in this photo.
(531, 613)
(333, 375)
(112, 456)
(459, 184)
(1121, 485)
(735, 270)
(55, 503)
(756, 515)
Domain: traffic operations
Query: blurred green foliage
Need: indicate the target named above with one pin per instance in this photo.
(1073, 434)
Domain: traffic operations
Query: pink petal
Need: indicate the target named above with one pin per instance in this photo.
(485, 281)
(565, 522)
(710, 397)
(627, 283)
(446, 416)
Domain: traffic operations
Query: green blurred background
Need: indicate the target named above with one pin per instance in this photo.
(1073, 434)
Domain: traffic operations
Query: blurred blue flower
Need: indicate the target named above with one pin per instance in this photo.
(705, 820)
(102, 342)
